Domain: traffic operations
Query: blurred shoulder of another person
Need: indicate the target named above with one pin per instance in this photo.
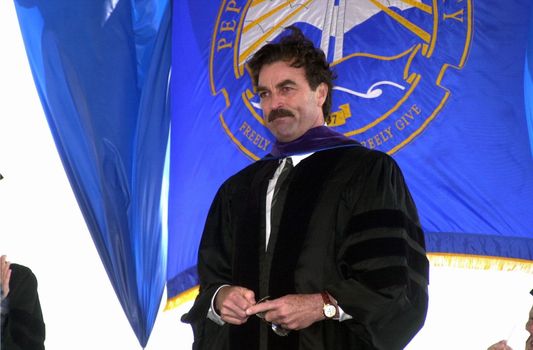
(22, 319)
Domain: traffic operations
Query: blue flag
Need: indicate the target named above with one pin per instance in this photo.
(101, 70)
(439, 85)
(528, 81)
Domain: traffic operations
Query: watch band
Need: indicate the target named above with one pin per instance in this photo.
(325, 297)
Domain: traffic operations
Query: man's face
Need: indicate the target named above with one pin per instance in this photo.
(529, 323)
(529, 328)
(290, 107)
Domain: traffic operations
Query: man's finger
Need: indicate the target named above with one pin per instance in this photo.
(236, 311)
(242, 304)
(261, 307)
(249, 295)
(234, 320)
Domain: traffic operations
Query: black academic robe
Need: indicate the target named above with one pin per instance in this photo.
(349, 226)
(23, 328)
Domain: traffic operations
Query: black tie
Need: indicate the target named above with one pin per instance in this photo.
(276, 208)
(279, 193)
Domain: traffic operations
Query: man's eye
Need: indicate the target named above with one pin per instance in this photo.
(262, 94)
(286, 90)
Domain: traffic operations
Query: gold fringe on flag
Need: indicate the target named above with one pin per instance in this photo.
(478, 262)
(462, 261)
(182, 298)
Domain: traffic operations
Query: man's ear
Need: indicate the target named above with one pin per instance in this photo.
(321, 94)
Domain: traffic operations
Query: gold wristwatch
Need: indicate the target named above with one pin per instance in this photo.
(329, 309)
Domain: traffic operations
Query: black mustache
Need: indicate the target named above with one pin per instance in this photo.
(278, 113)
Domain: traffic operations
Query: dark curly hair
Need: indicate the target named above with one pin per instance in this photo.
(300, 52)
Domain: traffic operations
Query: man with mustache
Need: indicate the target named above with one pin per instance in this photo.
(316, 246)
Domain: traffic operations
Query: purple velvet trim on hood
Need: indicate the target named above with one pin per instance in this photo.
(315, 139)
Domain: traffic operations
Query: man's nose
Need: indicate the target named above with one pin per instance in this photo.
(529, 326)
(276, 101)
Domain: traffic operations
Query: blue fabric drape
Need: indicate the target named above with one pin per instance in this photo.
(101, 69)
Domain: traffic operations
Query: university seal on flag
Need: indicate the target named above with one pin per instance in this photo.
(395, 61)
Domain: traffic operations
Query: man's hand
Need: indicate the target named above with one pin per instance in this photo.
(501, 345)
(293, 312)
(231, 303)
(5, 275)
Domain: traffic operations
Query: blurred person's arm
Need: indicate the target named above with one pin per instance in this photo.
(5, 275)
(501, 345)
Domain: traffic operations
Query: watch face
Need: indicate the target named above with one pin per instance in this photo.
(329, 310)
